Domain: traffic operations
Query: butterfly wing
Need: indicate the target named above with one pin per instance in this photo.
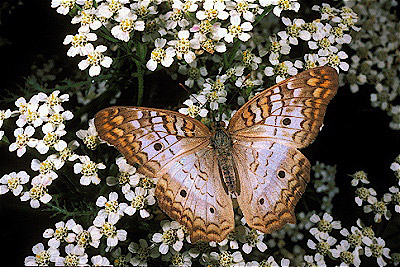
(291, 112)
(192, 193)
(175, 148)
(266, 133)
(272, 178)
(152, 138)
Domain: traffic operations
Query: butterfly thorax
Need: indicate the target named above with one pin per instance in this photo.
(222, 144)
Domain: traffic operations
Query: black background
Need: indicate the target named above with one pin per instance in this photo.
(355, 136)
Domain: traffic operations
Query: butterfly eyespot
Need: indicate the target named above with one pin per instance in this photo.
(261, 201)
(212, 210)
(281, 174)
(286, 121)
(158, 146)
(183, 193)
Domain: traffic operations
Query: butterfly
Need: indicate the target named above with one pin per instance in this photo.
(255, 158)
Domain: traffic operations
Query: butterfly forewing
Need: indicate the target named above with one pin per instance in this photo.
(152, 138)
(290, 112)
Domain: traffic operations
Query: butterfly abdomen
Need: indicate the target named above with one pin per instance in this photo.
(222, 145)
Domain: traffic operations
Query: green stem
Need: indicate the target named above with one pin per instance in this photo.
(141, 51)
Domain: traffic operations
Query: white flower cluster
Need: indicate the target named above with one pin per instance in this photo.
(322, 38)
(376, 59)
(358, 242)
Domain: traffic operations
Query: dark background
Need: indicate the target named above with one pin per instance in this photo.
(355, 136)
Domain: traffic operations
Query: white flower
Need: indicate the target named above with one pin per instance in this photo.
(160, 55)
(236, 29)
(379, 208)
(84, 238)
(95, 60)
(112, 209)
(323, 246)
(359, 176)
(294, 31)
(172, 236)
(283, 5)
(52, 102)
(4, 114)
(90, 137)
(282, 70)
(377, 249)
(52, 139)
(254, 238)
(79, 42)
(45, 167)
(334, 60)
(193, 73)
(212, 9)
(88, 20)
(324, 225)
(226, 258)
(76, 256)
(139, 200)
(316, 260)
(30, 115)
(56, 119)
(67, 154)
(13, 182)
(61, 233)
(38, 192)
(23, 139)
(142, 252)
(347, 257)
(214, 97)
(127, 23)
(126, 177)
(177, 258)
(42, 257)
(393, 196)
(88, 169)
(99, 260)
(108, 230)
(365, 194)
(183, 46)
(63, 6)
(175, 18)
(193, 109)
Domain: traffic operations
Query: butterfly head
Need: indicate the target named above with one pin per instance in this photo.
(218, 125)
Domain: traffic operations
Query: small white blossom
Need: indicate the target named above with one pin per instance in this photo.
(113, 210)
(23, 139)
(95, 60)
(88, 169)
(172, 236)
(13, 182)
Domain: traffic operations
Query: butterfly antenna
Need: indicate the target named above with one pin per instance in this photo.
(236, 92)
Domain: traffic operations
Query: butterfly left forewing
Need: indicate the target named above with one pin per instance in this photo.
(291, 112)
(272, 178)
(151, 138)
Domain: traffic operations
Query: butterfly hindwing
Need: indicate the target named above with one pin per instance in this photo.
(192, 193)
(290, 112)
(272, 178)
(152, 138)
